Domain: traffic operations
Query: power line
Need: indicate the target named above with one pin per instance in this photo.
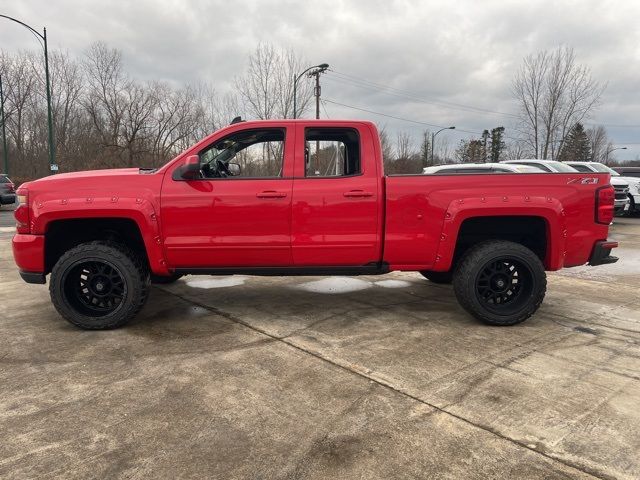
(398, 118)
(324, 107)
(363, 83)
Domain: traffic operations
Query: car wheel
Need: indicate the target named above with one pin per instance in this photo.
(438, 277)
(99, 285)
(500, 282)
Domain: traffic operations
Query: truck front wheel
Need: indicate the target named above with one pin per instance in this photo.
(99, 285)
(500, 282)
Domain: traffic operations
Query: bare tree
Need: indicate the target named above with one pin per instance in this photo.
(403, 146)
(554, 93)
(600, 143)
(516, 150)
(266, 88)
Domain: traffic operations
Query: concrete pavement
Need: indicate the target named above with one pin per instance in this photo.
(367, 377)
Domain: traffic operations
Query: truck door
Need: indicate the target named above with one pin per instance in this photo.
(238, 213)
(336, 197)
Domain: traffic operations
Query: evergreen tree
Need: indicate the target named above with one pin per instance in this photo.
(485, 137)
(497, 143)
(425, 149)
(470, 151)
(576, 147)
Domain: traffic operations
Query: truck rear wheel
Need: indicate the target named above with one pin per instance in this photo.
(99, 285)
(500, 282)
(438, 277)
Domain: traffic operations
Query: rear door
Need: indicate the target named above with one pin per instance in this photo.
(336, 197)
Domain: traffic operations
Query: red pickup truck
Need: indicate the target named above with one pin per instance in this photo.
(304, 197)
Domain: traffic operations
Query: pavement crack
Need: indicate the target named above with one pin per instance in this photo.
(346, 367)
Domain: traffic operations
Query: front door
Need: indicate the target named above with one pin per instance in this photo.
(238, 213)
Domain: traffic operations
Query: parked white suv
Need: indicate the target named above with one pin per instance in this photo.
(622, 202)
(632, 183)
(478, 168)
(549, 166)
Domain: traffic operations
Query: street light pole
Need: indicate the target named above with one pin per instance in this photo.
(52, 149)
(52, 145)
(433, 139)
(612, 150)
(320, 69)
(5, 152)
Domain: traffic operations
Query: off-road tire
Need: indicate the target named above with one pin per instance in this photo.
(443, 278)
(128, 267)
(470, 279)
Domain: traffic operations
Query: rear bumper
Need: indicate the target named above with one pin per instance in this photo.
(601, 253)
(28, 252)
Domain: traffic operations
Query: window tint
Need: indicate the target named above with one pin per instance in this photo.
(542, 167)
(581, 168)
(563, 167)
(474, 170)
(331, 152)
(257, 153)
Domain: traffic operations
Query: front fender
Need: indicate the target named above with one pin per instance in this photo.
(136, 206)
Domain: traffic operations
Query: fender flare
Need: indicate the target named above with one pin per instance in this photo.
(138, 207)
(548, 208)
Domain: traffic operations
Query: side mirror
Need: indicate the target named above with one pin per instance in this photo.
(234, 169)
(190, 170)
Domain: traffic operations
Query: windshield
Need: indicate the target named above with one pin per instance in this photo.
(598, 167)
(562, 167)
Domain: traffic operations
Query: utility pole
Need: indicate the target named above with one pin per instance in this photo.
(319, 68)
(316, 92)
(5, 152)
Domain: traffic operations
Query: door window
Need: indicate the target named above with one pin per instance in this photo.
(332, 152)
(245, 154)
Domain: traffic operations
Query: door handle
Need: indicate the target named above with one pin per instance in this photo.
(271, 194)
(357, 194)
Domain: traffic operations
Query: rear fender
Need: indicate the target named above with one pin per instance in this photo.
(459, 210)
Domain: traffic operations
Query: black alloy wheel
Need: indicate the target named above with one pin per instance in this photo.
(500, 282)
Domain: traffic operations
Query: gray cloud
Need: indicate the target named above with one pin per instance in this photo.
(463, 52)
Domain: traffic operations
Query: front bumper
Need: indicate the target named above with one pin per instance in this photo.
(28, 252)
(8, 198)
(621, 205)
(33, 277)
(601, 253)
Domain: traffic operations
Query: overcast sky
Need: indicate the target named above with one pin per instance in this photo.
(457, 52)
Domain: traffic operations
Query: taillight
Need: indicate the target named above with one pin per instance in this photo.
(22, 213)
(605, 200)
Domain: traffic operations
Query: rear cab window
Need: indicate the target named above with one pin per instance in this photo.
(332, 152)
